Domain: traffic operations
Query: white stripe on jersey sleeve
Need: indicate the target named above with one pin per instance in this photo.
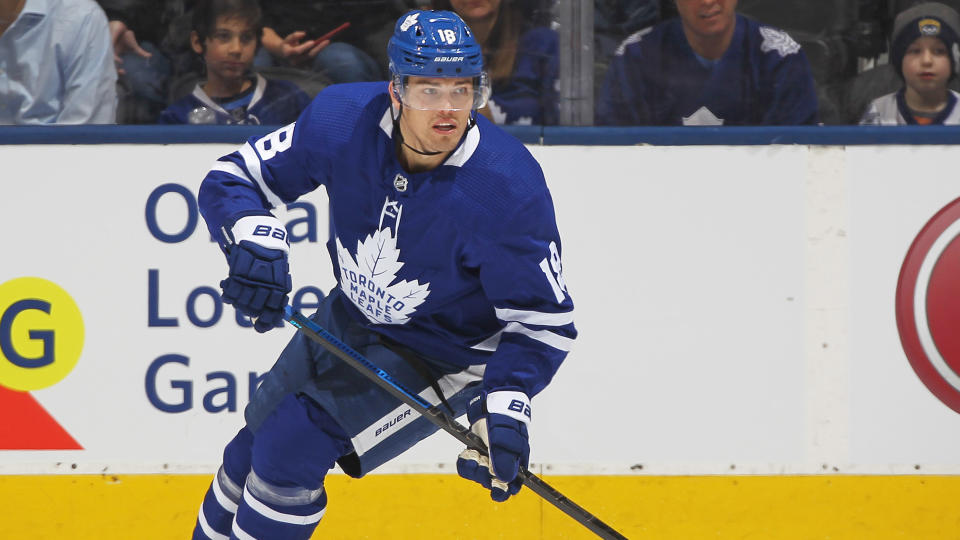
(232, 169)
(490, 344)
(543, 336)
(538, 318)
(252, 161)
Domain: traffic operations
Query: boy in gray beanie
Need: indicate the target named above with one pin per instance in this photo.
(924, 51)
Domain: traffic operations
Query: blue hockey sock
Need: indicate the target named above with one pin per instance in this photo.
(223, 496)
(277, 513)
(218, 508)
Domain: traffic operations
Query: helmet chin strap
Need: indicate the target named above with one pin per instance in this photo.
(396, 129)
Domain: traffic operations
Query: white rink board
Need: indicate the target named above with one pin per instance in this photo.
(706, 281)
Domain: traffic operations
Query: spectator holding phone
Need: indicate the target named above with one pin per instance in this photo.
(225, 36)
(295, 35)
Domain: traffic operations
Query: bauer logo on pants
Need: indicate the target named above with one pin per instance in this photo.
(41, 334)
(928, 310)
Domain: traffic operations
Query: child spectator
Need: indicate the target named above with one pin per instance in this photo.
(225, 35)
(923, 52)
(521, 55)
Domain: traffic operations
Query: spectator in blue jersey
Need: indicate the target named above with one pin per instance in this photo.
(225, 34)
(56, 65)
(924, 49)
(709, 66)
(447, 255)
(521, 54)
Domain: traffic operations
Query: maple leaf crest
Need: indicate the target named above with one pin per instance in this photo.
(368, 280)
(778, 40)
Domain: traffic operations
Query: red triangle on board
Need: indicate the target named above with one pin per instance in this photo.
(26, 425)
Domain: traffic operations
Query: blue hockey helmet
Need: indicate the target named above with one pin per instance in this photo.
(436, 44)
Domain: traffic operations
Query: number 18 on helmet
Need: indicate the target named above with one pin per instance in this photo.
(436, 44)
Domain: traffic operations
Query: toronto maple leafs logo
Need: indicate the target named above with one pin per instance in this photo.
(370, 278)
(778, 40)
(409, 21)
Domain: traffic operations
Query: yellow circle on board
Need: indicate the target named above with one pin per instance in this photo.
(41, 333)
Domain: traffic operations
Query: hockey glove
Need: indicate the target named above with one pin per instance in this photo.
(259, 278)
(500, 418)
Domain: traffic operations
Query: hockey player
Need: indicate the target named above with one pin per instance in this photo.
(520, 54)
(226, 35)
(710, 66)
(446, 250)
(924, 53)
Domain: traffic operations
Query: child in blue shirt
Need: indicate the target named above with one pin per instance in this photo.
(226, 36)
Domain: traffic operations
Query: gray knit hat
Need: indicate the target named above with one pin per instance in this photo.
(927, 19)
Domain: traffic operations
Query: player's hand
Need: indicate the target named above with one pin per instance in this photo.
(259, 277)
(500, 418)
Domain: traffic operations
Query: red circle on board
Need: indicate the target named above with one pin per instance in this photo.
(937, 245)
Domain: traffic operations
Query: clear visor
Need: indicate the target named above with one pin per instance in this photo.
(441, 94)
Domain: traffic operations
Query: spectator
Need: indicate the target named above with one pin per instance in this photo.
(56, 65)
(225, 36)
(923, 45)
(145, 53)
(291, 28)
(709, 66)
(522, 58)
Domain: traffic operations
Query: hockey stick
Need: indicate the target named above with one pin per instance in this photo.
(442, 420)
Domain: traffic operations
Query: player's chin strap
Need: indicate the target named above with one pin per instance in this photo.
(399, 134)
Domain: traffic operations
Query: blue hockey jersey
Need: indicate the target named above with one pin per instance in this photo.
(271, 102)
(460, 263)
(655, 78)
(530, 95)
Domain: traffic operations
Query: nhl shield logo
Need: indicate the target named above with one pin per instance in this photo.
(400, 183)
(927, 310)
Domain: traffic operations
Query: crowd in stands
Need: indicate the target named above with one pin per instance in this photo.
(657, 62)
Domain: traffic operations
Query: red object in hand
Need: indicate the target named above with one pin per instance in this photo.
(333, 32)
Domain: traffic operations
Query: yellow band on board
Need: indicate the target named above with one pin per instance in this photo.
(436, 506)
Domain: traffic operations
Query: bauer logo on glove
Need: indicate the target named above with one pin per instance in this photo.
(259, 280)
(500, 418)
